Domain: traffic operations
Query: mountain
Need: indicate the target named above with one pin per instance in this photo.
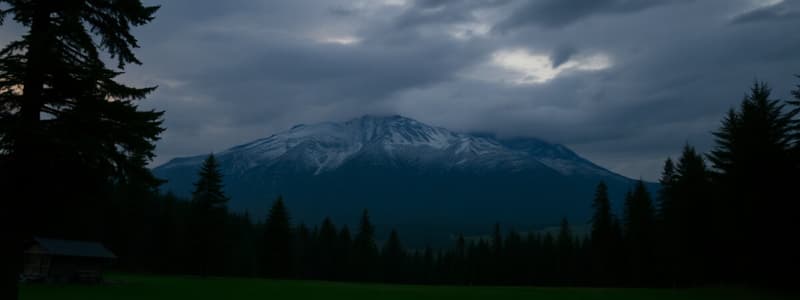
(405, 172)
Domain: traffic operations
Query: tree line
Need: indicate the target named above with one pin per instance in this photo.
(725, 217)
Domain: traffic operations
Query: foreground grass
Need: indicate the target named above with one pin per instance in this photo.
(160, 287)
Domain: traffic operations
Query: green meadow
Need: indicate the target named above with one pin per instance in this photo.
(163, 287)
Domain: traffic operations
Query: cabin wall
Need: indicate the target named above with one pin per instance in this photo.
(36, 265)
(63, 269)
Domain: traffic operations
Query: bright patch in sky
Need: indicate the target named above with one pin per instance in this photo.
(341, 40)
(766, 3)
(395, 2)
(534, 68)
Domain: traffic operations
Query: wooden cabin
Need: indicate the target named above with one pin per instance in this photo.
(53, 260)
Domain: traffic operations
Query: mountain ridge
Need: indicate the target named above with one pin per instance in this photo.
(467, 147)
(404, 171)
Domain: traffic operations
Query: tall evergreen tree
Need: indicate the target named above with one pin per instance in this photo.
(754, 172)
(393, 258)
(208, 193)
(209, 210)
(345, 261)
(365, 251)
(513, 261)
(639, 231)
(326, 247)
(665, 197)
(602, 236)
(277, 253)
(691, 221)
(564, 255)
(546, 262)
(497, 254)
(303, 258)
(61, 110)
(665, 218)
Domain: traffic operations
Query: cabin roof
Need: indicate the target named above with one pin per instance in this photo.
(74, 248)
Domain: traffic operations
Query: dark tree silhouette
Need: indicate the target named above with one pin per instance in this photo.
(327, 253)
(513, 259)
(685, 219)
(365, 251)
(303, 257)
(62, 110)
(755, 172)
(665, 197)
(692, 221)
(344, 248)
(393, 258)
(602, 237)
(209, 211)
(208, 192)
(640, 234)
(566, 259)
(277, 253)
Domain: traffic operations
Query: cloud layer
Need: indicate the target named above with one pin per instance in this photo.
(623, 82)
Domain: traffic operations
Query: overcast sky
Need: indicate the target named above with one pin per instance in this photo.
(625, 83)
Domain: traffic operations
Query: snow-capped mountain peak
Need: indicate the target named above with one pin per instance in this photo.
(326, 146)
(402, 170)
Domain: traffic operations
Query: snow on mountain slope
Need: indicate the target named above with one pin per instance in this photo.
(404, 172)
(324, 147)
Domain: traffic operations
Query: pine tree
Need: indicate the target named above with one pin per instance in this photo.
(497, 254)
(57, 113)
(602, 236)
(344, 257)
(547, 260)
(365, 251)
(665, 198)
(208, 194)
(277, 252)
(54, 82)
(326, 247)
(533, 249)
(639, 231)
(755, 171)
(393, 257)
(302, 253)
(513, 259)
(564, 253)
(691, 221)
(209, 210)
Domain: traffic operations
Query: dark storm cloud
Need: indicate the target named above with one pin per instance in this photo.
(443, 12)
(558, 13)
(624, 83)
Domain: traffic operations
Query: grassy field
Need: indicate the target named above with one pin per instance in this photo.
(172, 288)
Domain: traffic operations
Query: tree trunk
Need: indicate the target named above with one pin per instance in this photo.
(21, 171)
